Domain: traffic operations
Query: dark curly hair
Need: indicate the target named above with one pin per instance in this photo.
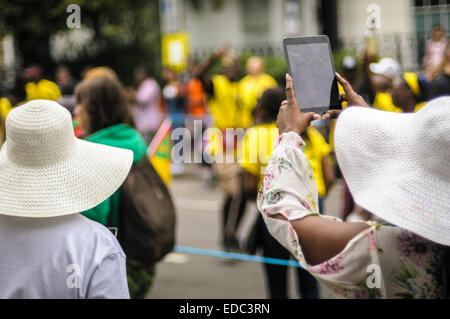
(270, 102)
(105, 102)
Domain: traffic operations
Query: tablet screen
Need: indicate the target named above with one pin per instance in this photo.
(313, 73)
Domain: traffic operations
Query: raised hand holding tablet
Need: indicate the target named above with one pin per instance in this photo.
(290, 117)
(310, 64)
(350, 96)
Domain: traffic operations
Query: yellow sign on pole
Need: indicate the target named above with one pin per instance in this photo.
(175, 50)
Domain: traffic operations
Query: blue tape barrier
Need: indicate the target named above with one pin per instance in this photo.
(226, 255)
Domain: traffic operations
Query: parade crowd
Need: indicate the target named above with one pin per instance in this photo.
(70, 143)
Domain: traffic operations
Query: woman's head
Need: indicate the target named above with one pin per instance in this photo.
(381, 82)
(169, 75)
(140, 74)
(407, 91)
(231, 69)
(269, 104)
(255, 65)
(99, 71)
(438, 32)
(101, 102)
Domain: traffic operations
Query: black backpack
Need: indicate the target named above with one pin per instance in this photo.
(146, 215)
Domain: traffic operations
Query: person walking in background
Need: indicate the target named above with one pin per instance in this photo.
(435, 48)
(254, 156)
(197, 109)
(223, 90)
(392, 177)
(146, 104)
(39, 88)
(441, 85)
(381, 77)
(106, 118)
(409, 92)
(195, 94)
(173, 100)
(252, 87)
(49, 250)
(224, 104)
(65, 80)
(66, 84)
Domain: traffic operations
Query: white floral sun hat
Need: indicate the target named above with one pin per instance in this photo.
(45, 171)
(397, 165)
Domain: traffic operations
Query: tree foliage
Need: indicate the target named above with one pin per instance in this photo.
(126, 32)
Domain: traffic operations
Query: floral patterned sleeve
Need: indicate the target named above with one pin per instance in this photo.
(380, 262)
(289, 189)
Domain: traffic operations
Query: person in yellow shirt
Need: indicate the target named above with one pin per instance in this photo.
(254, 155)
(252, 86)
(223, 90)
(256, 148)
(5, 107)
(224, 105)
(224, 101)
(409, 92)
(38, 88)
(382, 76)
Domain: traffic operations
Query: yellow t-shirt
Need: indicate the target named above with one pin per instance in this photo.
(43, 90)
(255, 150)
(224, 105)
(419, 106)
(341, 91)
(383, 102)
(316, 149)
(257, 145)
(5, 108)
(251, 89)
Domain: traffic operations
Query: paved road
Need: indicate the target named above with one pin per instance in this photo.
(193, 276)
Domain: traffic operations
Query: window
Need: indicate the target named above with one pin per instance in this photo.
(255, 16)
(427, 14)
(424, 3)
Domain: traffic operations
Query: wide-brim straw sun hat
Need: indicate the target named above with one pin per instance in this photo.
(45, 171)
(397, 165)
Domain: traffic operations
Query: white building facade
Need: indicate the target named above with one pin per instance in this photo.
(260, 25)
